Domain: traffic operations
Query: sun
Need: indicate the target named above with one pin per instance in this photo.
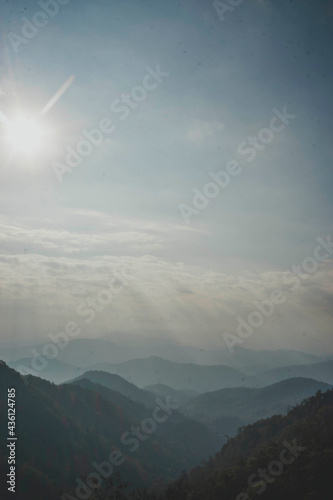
(24, 135)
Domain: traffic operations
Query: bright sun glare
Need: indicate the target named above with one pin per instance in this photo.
(24, 135)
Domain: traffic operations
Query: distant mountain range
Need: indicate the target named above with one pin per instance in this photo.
(249, 404)
(224, 410)
(199, 378)
(55, 371)
(318, 371)
(179, 376)
(166, 391)
(183, 376)
(83, 353)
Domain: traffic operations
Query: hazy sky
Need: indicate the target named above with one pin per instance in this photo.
(119, 211)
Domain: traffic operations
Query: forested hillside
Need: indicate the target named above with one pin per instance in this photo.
(61, 430)
(254, 462)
